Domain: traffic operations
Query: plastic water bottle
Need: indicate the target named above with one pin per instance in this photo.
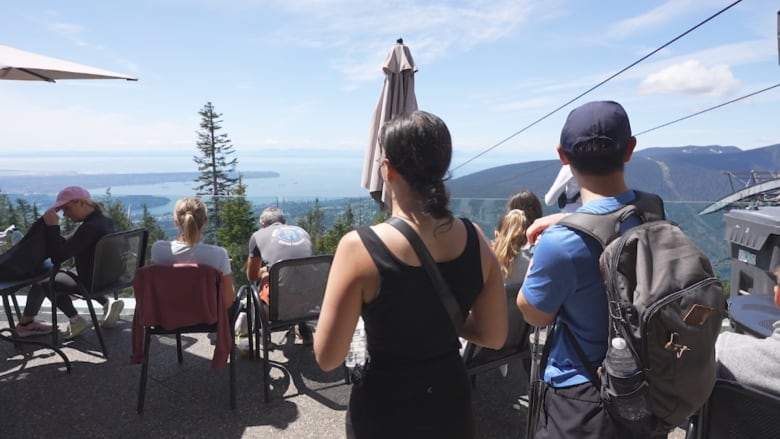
(626, 378)
(357, 354)
(241, 328)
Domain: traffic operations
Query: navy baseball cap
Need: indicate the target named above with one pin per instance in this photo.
(605, 120)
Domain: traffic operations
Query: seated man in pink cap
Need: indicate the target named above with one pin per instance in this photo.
(76, 204)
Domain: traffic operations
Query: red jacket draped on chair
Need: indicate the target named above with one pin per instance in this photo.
(175, 296)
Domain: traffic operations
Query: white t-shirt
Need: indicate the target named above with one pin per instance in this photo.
(178, 252)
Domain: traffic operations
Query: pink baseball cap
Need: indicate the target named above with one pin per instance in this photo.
(69, 194)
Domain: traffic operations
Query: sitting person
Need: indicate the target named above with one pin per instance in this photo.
(191, 218)
(76, 204)
(751, 360)
(273, 242)
(510, 244)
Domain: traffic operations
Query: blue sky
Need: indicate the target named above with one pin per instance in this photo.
(297, 80)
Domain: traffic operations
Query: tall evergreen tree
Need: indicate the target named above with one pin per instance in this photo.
(215, 164)
(314, 223)
(117, 211)
(156, 233)
(344, 223)
(238, 222)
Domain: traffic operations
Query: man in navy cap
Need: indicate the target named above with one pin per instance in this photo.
(564, 284)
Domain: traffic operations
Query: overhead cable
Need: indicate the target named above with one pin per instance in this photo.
(708, 109)
(594, 87)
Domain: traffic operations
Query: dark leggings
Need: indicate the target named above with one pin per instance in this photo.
(64, 286)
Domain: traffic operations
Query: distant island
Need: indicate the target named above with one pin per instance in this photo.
(16, 182)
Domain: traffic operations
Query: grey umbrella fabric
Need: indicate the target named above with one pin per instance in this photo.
(397, 98)
(21, 65)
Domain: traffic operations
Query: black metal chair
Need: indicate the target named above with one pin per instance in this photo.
(479, 359)
(8, 289)
(736, 411)
(117, 257)
(296, 289)
(176, 300)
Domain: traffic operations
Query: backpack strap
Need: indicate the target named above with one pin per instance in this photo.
(605, 227)
(593, 375)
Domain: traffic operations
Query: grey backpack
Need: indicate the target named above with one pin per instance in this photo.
(666, 302)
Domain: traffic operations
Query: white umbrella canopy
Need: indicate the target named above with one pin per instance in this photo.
(20, 65)
(397, 98)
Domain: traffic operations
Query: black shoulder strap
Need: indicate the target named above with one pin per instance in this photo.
(439, 284)
(605, 227)
(593, 375)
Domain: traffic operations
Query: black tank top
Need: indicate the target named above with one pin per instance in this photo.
(407, 323)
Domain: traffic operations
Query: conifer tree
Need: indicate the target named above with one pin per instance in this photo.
(238, 222)
(156, 233)
(117, 211)
(314, 224)
(344, 223)
(215, 164)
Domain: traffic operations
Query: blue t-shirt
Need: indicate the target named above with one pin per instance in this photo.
(564, 279)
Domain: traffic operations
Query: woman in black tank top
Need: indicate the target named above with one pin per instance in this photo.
(415, 384)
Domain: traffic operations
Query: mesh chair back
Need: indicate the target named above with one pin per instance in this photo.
(734, 411)
(297, 287)
(478, 358)
(117, 257)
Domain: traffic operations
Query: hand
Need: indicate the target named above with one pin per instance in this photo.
(264, 273)
(51, 218)
(540, 225)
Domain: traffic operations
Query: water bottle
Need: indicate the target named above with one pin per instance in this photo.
(357, 355)
(241, 328)
(625, 378)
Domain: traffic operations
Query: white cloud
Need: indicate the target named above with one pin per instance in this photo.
(433, 31)
(70, 31)
(691, 78)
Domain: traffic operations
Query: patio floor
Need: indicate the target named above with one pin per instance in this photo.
(98, 398)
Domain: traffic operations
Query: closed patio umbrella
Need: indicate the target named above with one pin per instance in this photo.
(18, 64)
(397, 98)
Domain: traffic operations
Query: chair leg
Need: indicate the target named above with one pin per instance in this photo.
(16, 306)
(233, 376)
(178, 348)
(266, 365)
(55, 333)
(250, 318)
(96, 326)
(8, 313)
(144, 371)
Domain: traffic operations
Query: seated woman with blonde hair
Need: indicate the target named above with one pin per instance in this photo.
(511, 246)
(510, 243)
(191, 218)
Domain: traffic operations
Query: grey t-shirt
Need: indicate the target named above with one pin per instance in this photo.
(278, 242)
(750, 360)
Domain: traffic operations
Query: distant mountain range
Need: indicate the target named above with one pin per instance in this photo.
(684, 173)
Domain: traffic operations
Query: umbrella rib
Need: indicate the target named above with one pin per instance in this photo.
(37, 75)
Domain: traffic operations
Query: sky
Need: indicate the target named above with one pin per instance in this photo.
(297, 81)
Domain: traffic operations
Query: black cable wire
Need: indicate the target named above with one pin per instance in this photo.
(708, 109)
(594, 87)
